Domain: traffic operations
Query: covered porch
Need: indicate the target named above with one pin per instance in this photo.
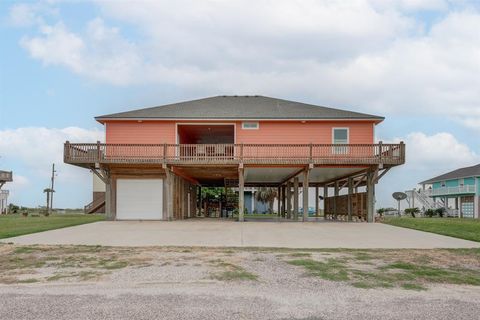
(338, 180)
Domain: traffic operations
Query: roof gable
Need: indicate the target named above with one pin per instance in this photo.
(473, 171)
(240, 108)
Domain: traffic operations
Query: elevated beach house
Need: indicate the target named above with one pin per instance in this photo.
(155, 161)
(461, 186)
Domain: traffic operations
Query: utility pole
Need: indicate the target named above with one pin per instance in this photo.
(52, 186)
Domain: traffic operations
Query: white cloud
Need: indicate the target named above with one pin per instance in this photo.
(30, 152)
(363, 54)
(438, 152)
(39, 147)
(22, 15)
(427, 156)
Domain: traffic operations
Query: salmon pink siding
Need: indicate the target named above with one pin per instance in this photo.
(269, 132)
(140, 132)
(319, 132)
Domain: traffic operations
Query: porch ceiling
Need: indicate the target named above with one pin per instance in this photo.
(215, 176)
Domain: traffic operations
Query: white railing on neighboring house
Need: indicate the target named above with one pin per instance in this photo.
(443, 191)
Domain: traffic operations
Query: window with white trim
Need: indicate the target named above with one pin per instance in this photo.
(340, 136)
(250, 125)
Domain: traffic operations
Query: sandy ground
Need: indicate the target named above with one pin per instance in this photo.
(175, 283)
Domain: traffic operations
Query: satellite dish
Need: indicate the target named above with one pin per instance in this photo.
(399, 196)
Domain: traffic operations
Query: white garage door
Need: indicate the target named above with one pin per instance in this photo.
(139, 199)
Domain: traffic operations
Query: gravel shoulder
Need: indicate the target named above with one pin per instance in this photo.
(222, 283)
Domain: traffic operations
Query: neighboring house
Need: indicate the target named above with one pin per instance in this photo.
(5, 176)
(461, 186)
(155, 161)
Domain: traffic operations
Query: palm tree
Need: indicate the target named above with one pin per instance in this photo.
(266, 195)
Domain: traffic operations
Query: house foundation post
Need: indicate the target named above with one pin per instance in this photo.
(316, 201)
(295, 198)
(279, 203)
(282, 214)
(109, 196)
(306, 178)
(325, 196)
(370, 196)
(349, 199)
(306, 181)
(241, 196)
(289, 199)
(169, 194)
(335, 190)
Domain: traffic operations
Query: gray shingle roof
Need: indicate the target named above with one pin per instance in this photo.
(241, 108)
(473, 171)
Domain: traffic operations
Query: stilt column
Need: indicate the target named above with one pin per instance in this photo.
(295, 198)
(306, 179)
(370, 196)
(241, 198)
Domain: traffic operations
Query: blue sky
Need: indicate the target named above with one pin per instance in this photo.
(415, 62)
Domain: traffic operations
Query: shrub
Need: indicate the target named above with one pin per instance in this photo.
(412, 211)
(25, 214)
(440, 212)
(381, 211)
(430, 213)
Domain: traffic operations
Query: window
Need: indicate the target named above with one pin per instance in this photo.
(340, 136)
(250, 125)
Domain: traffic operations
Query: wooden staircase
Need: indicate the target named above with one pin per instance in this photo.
(96, 206)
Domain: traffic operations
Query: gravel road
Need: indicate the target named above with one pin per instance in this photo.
(227, 301)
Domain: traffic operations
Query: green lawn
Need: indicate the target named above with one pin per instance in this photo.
(459, 228)
(16, 225)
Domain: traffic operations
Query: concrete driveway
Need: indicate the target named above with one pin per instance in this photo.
(218, 233)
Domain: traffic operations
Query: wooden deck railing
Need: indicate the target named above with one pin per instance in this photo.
(91, 153)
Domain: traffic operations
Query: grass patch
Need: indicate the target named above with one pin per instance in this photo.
(300, 254)
(80, 262)
(413, 286)
(407, 269)
(235, 275)
(467, 229)
(233, 272)
(17, 225)
(29, 280)
(332, 269)
(112, 265)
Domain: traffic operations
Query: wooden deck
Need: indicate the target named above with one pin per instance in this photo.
(89, 154)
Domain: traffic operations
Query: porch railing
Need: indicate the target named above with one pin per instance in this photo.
(90, 153)
(443, 191)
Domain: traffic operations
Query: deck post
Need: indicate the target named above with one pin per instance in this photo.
(289, 199)
(349, 199)
(335, 190)
(370, 196)
(108, 199)
(295, 198)
(325, 196)
(169, 194)
(316, 201)
(199, 202)
(283, 201)
(306, 178)
(279, 203)
(241, 196)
